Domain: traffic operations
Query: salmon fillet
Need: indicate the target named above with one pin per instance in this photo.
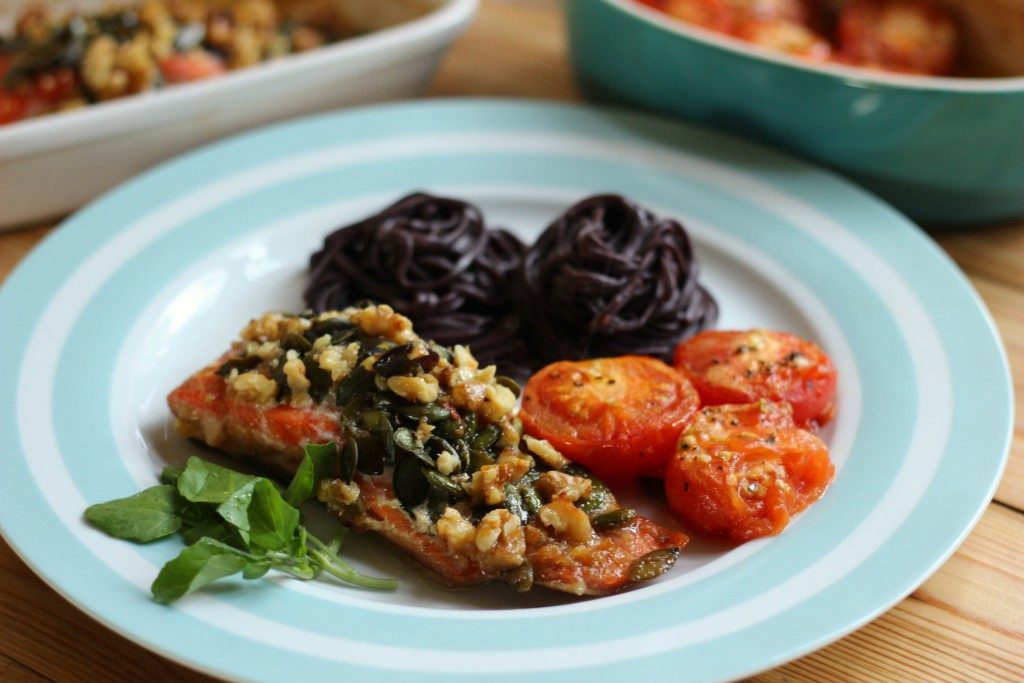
(431, 459)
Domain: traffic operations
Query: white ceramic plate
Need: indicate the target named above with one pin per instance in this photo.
(143, 287)
(53, 164)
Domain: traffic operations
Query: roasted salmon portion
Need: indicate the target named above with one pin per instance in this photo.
(430, 457)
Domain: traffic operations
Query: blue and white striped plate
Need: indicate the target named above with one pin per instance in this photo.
(151, 282)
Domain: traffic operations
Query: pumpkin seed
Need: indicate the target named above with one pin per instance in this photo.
(355, 383)
(243, 364)
(336, 327)
(653, 564)
(478, 459)
(464, 455)
(297, 342)
(437, 444)
(410, 485)
(599, 498)
(520, 578)
(354, 408)
(437, 501)
(441, 351)
(439, 481)
(434, 413)
(509, 383)
(450, 429)
(427, 361)
(349, 457)
(406, 439)
(613, 519)
(277, 374)
(319, 379)
(395, 362)
(387, 436)
(514, 503)
(531, 499)
(486, 438)
(371, 455)
(371, 418)
(469, 424)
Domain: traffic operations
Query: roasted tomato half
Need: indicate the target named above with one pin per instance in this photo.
(620, 417)
(786, 36)
(741, 367)
(714, 15)
(912, 36)
(742, 471)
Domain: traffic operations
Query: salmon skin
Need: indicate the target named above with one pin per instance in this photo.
(430, 457)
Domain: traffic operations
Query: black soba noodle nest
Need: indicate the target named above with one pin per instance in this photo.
(432, 259)
(609, 278)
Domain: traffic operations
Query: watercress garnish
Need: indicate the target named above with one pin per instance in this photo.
(233, 523)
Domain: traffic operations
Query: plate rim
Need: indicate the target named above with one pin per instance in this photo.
(29, 263)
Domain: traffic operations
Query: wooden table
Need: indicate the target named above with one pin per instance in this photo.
(966, 622)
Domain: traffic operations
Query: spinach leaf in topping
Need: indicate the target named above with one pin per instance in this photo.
(242, 364)
(356, 383)
(296, 342)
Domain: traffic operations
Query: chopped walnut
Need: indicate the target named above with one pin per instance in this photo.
(500, 540)
(554, 485)
(338, 492)
(295, 372)
(488, 483)
(469, 395)
(382, 321)
(497, 542)
(498, 402)
(253, 387)
(339, 362)
(273, 327)
(421, 388)
(543, 449)
(566, 520)
(457, 531)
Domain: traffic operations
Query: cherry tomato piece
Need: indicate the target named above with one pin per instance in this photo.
(714, 15)
(620, 417)
(185, 67)
(742, 367)
(741, 472)
(795, 11)
(54, 87)
(912, 36)
(12, 107)
(786, 36)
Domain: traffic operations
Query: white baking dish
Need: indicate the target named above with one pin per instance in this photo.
(53, 164)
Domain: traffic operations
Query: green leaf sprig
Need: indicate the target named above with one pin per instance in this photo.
(233, 523)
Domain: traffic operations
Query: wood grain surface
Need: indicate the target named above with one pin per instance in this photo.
(965, 623)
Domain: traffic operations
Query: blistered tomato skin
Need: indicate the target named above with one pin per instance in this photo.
(742, 471)
(620, 417)
(742, 367)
